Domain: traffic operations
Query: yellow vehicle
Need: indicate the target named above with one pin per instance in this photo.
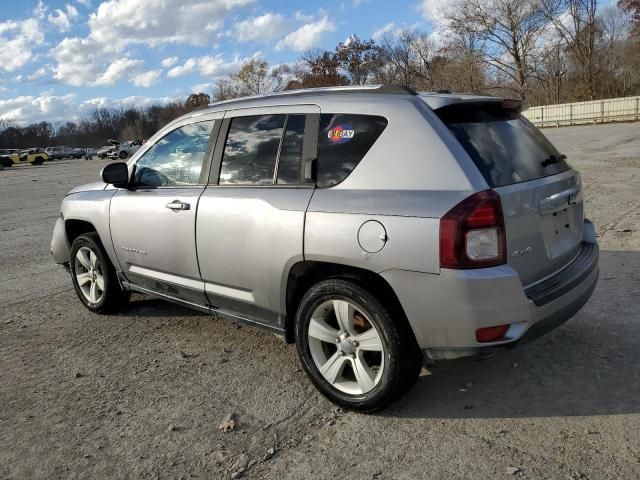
(34, 156)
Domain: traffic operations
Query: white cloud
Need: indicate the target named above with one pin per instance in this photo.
(209, 66)
(17, 40)
(86, 3)
(63, 18)
(118, 23)
(132, 101)
(434, 10)
(28, 109)
(379, 34)
(121, 68)
(64, 108)
(262, 28)
(146, 79)
(307, 36)
(40, 11)
(203, 87)
(169, 62)
(78, 61)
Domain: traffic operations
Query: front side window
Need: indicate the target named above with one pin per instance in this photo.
(176, 159)
(251, 150)
(344, 140)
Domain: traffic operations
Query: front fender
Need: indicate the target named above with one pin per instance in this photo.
(60, 248)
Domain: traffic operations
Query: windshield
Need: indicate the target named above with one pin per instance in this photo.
(505, 147)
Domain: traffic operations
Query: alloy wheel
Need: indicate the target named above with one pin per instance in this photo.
(89, 274)
(346, 347)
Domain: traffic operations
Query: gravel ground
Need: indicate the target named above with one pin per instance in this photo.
(143, 394)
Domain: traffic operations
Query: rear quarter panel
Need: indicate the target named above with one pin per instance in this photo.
(412, 243)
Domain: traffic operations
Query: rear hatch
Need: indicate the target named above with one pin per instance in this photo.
(541, 195)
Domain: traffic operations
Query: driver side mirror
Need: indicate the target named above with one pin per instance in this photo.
(116, 174)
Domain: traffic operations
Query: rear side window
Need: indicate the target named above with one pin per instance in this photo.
(505, 147)
(251, 150)
(343, 140)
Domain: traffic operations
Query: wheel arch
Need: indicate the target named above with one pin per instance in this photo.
(74, 228)
(303, 275)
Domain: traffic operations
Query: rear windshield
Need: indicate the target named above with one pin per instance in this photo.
(505, 147)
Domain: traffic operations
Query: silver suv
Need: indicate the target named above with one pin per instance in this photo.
(376, 228)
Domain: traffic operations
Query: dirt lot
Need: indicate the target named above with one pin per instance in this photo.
(142, 394)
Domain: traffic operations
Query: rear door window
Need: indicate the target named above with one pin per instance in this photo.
(505, 147)
(251, 150)
(344, 140)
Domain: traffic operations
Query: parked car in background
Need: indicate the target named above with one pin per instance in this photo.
(34, 156)
(57, 153)
(103, 152)
(125, 149)
(375, 227)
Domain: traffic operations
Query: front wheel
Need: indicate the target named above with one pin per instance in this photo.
(123, 155)
(352, 349)
(94, 278)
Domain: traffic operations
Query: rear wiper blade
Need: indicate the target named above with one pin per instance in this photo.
(551, 160)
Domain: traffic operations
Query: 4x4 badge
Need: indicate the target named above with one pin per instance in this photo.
(520, 253)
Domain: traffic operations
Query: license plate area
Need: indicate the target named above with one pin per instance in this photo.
(562, 230)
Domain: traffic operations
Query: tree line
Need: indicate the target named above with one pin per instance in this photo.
(541, 51)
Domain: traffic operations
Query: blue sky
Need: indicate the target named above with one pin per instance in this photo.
(59, 59)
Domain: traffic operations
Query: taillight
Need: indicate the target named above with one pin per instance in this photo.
(472, 233)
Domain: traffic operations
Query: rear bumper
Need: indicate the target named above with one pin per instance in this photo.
(445, 310)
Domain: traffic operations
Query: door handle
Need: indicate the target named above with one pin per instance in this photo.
(178, 205)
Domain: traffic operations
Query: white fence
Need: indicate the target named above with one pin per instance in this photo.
(596, 111)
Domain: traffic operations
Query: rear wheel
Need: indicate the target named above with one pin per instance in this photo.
(37, 161)
(352, 349)
(123, 155)
(94, 277)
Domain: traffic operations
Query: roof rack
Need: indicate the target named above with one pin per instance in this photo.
(391, 88)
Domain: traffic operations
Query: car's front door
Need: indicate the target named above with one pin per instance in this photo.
(153, 223)
(251, 217)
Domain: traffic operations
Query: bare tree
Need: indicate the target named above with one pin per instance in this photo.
(577, 24)
(317, 68)
(408, 55)
(632, 7)
(359, 60)
(509, 30)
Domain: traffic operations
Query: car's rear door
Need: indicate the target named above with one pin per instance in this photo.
(153, 223)
(250, 226)
(541, 195)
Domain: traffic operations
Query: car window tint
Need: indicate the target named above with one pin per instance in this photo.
(290, 170)
(176, 159)
(505, 147)
(343, 140)
(251, 150)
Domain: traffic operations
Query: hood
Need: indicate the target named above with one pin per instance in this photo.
(89, 187)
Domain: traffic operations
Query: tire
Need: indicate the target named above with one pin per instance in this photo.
(367, 378)
(37, 161)
(123, 155)
(91, 268)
